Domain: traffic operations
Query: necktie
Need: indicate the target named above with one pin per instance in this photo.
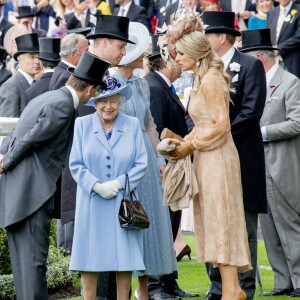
(173, 89)
(122, 12)
(280, 22)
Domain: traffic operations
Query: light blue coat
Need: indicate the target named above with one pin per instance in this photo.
(99, 243)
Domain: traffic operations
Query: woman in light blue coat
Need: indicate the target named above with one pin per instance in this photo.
(106, 146)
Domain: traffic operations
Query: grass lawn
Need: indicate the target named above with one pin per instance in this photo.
(193, 277)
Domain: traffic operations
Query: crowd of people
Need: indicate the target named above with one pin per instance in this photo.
(96, 107)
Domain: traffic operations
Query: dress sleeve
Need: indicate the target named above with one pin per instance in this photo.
(217, 132)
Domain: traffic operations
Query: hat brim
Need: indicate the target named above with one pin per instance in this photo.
(86, 78)
(15, 56)
(124, 91)
(105, 35)
(140, 36)
(211, 29)
(25, 16)
(153, 56)
(248, 49)
(83, 31)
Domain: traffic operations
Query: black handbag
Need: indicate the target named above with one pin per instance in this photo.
(132, 214)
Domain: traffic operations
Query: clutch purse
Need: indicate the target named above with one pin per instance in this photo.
(132, 214)
(167, 133)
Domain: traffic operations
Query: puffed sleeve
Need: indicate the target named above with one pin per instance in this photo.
(217, 132)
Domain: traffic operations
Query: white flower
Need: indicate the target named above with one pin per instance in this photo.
(288, 18)
(235, 67)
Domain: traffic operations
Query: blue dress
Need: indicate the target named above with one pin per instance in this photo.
(256, 23)
(99, 243)
(159, 254)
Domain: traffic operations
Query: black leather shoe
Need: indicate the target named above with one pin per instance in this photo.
(163, 296)
(180, 293)
(277, 292)
(212, 296)
(294, 293)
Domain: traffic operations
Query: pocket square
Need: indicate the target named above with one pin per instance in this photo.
(272, 99)
(235, 78)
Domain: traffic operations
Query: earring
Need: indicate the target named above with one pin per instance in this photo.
(198, 63)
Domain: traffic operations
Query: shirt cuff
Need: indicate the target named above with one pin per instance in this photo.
(264, 134)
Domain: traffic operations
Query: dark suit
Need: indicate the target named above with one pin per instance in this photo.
(73, 22)
(288, 40)
(136, 13)
(4, 27)
(34, 157)
(12, 96)
(168, 112)
(60, 76)
(39, 87)
(249, 102)
(4, 75)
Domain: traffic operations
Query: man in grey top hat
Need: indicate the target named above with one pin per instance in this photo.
(280, 127)
(31, 157)
(12, 92)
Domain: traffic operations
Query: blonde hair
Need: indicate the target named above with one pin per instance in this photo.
(196, 45)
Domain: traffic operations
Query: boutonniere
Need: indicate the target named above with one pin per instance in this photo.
(235, 67)
(290, 17)
(125, 128)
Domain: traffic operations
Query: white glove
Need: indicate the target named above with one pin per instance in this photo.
(107, 190)
(167, 145)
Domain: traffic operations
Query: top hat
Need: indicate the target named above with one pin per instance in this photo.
(155, 47)
(91, 69)
(139, 34)
(219, 22)
(3, 54)
(24, 12)
(27, 43)
(114, 86)
(84, 31)
(256, 40)
(114, 27)
(49, 49)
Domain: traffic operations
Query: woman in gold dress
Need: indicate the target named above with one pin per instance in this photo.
(220, 227)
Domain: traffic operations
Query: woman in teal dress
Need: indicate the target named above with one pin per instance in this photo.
(159, 255)
(259, 21)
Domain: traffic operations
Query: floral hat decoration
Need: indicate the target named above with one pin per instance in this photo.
(113, 87)
(182, 23)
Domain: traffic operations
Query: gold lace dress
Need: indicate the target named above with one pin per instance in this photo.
(220, 228)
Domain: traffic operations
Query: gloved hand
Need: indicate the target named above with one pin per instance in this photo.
(182, 150)
(107, 190)
(167, 145)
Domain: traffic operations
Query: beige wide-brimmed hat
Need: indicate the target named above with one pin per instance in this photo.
(139, 34)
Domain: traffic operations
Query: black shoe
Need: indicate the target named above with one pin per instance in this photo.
(163, 296)
(277, 292)
(212, 296)
(294, 293)
(176, 291)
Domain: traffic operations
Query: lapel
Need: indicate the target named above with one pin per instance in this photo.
(235, 58)
(168, 89)
(119, 129)
(131, 11)
(22, 80)
(285, 24)
(275, 82)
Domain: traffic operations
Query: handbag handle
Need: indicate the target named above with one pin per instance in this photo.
(128, 192)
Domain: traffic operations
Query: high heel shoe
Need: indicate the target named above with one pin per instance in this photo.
(185, 251)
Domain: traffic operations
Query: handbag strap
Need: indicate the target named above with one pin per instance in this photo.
(127, 188)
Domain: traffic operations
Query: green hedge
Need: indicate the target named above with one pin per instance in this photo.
(58, 273)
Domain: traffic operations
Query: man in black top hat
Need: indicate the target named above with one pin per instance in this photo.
(32, 157)
(248, 81)
(281, 134)
(168, 112)
(4, 24)
(25, 16)
(12, 92)
(4, 73)
(49, 57)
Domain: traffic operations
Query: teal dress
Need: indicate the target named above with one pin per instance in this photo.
(158, 249)
(256, 23)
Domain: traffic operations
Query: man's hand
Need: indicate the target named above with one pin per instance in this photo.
(1, 164)
(245, 15)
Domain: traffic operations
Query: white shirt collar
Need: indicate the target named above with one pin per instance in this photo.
(126, 8)
(74, 96)
(164, 77)
(287, 8)
(270, 74)
(49, 71)
(26, 75)
(226, 58)
(67, 63)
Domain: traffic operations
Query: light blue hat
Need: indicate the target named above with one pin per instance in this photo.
(114, 86)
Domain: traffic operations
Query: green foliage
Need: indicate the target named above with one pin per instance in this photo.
(5, 267)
